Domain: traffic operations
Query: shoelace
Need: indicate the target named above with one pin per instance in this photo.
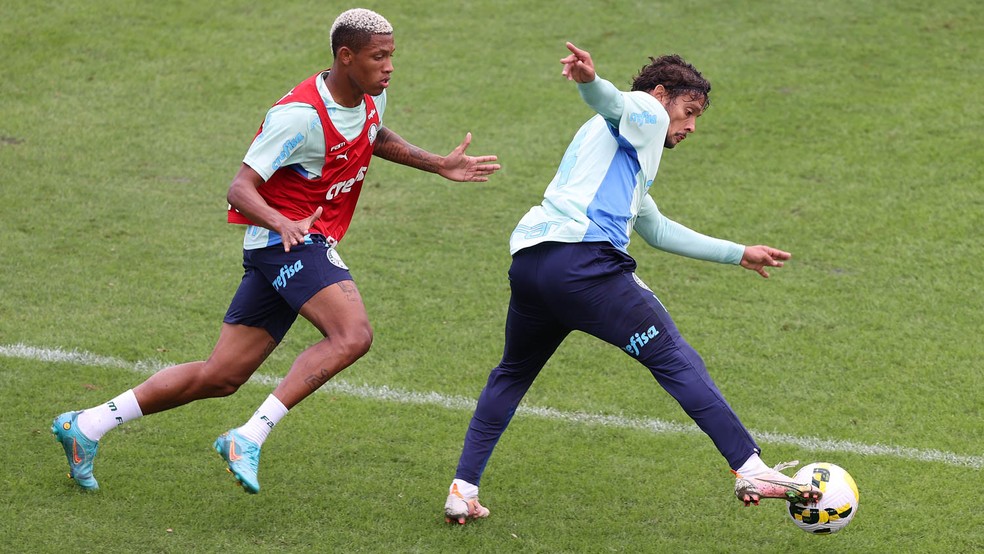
(785, 465)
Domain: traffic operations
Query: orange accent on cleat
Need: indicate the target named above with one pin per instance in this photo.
(459, 509)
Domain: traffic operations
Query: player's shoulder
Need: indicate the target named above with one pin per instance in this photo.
(643, 108)
(642, 99)
(291, 115)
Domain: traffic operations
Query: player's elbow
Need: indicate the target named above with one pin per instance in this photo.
(234, 193)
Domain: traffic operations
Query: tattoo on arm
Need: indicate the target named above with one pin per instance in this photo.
(391, 146)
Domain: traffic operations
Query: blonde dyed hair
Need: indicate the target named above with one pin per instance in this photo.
(354, 28)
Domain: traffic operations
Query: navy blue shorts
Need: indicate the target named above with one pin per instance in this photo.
(276, 284)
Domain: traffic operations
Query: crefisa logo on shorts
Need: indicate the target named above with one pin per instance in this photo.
(286, 273)
(639, 340)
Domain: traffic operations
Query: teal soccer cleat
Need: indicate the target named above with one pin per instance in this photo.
(243, 457)
(79, 449)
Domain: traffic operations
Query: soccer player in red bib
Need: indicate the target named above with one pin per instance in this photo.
(295, 193)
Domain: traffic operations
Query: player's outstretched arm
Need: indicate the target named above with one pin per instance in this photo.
(578, 66)
(456, 166)
(758, 257)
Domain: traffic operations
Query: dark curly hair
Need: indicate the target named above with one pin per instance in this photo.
(676, 75)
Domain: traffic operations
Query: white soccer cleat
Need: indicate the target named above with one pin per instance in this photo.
(774, 484)
(459, 509)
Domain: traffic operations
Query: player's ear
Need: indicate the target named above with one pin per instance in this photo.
(660, 93)
(345, 55)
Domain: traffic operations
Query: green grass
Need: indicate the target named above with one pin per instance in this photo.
(846, 133)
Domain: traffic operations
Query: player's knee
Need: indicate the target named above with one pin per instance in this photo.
(215, 382)
(358, 342)
(224, 386)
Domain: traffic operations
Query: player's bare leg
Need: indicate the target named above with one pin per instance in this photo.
(237, 354)
(338, 312)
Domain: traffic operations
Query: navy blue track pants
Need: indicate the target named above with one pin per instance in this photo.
(591, 287)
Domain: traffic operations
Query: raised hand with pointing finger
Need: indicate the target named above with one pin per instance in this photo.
(578, 66)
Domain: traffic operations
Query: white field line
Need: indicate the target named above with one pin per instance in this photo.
(388, 394)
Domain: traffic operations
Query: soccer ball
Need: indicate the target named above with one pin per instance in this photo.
(837, 506)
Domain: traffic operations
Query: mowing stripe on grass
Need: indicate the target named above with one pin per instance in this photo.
(387, 394)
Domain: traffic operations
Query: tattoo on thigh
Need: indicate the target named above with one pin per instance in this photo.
(350, 290)
(270, 347)
(315, 381)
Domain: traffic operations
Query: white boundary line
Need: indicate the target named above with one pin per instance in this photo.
(388, 394)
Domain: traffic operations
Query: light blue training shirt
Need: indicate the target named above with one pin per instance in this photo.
(600, 192)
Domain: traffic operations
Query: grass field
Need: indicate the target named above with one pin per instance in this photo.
(847, 133)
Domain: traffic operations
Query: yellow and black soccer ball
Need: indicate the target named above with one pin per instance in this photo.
(836, 508)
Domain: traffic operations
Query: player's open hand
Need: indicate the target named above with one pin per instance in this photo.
(758, 257)
(457, 166)
(578, 65)
(292, 233)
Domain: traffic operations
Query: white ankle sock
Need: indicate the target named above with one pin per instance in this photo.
(96, 421)
(753, 466)
(264, 419)
(466, 489)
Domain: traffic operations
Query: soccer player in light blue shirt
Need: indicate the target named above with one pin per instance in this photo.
(571, 271)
